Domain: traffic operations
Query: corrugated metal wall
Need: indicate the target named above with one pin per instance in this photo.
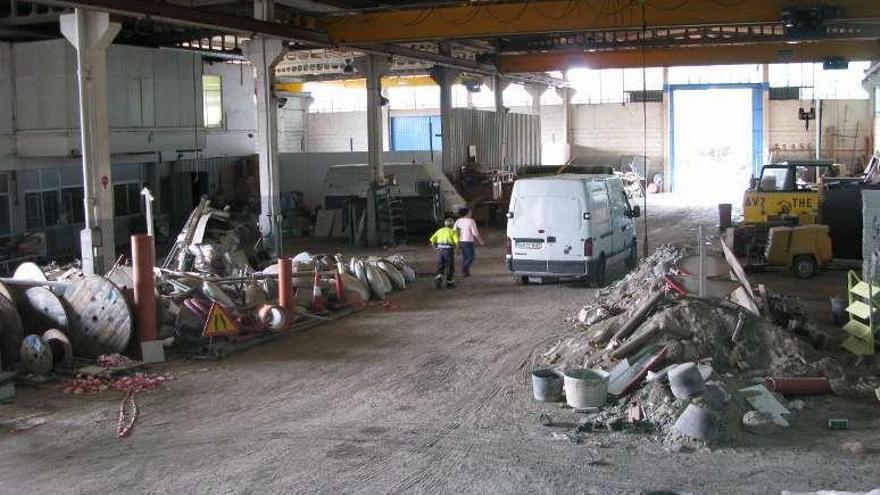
(508, 142)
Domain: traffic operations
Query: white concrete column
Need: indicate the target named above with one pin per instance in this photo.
(445, 77)
(765, 131)
(375, 67)
(91, 33)
(264, 54)
(535, 90)
(499, 84)
(565, 94)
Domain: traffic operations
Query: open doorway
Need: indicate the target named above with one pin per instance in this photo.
(716, 141)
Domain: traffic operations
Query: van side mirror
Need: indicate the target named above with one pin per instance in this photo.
(635, 212)
(509, 214)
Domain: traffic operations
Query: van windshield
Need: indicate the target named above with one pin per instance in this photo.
(552, 213)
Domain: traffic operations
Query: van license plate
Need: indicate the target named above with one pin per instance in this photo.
(528, 245)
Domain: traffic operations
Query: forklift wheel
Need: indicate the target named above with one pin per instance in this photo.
(804, 266)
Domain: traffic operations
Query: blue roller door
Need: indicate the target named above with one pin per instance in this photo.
(421, 133)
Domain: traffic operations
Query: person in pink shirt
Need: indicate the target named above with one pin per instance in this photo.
(467, 235)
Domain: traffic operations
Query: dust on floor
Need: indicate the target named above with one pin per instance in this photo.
(430, 398)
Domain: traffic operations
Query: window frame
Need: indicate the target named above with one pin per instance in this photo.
(206, 107)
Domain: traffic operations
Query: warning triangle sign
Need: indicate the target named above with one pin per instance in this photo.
(219, 322)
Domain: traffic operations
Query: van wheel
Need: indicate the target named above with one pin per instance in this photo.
(599, 271)
(633, 257)
(804, 266)
(524, 280)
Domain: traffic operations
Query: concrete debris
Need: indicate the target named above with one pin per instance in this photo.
(639, 284)
(765, 402)
(727, 348)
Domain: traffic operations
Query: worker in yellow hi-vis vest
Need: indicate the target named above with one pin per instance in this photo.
(445, 240)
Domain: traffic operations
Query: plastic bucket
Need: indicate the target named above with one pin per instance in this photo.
(686, 381)
(585, 388)
(698, 422)
(546, 385)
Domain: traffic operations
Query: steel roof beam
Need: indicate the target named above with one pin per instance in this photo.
(696, 55)
(204, 18)
(486, 20)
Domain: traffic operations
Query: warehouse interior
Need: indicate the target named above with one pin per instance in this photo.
(236, 240)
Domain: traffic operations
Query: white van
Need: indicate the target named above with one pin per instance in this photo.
(569, 226)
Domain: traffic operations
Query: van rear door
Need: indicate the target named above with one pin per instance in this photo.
(546, 231)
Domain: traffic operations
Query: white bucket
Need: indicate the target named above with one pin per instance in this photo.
(585, 388)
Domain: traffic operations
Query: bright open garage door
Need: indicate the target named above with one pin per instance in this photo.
(716, 141)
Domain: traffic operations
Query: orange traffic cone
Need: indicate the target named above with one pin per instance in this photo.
(317, 295)
(340, 289)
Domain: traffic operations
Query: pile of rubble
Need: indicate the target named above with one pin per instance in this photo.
(648, 332)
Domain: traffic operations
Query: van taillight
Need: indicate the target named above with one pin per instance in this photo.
(507, 245)
(588, 247)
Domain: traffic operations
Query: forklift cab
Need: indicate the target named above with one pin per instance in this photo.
(792, 176)
(786, 192)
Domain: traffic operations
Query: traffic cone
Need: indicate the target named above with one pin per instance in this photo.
(317, 295)
(340, 289)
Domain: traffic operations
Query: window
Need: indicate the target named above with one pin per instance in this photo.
(126, 199)
(41, 209)
(4, 204)
(72, 206)
(611, 85)
(816, 82)
(212, 101)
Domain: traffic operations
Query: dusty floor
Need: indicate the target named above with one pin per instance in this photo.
(429, 398)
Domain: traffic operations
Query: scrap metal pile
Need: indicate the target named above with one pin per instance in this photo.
(690, 369)
(323, 287)
(217, 291)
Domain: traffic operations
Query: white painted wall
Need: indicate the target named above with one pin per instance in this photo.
(846, 130)
(603, 133)
(154, 103)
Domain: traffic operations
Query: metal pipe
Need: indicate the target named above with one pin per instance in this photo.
(637, 318)
(144, 286)
(35, 283)
(285, 284)
(701, 248)
(798, 386)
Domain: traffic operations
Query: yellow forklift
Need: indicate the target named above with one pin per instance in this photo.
(781, 218)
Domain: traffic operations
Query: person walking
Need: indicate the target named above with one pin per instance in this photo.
(468, 233)
(445, 240)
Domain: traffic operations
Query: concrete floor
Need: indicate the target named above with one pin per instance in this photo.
(429, 398)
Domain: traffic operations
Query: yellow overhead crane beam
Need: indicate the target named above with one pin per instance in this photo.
(361, 83)
(480, 20)
(697, 55)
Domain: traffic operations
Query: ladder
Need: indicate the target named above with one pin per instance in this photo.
(390, 217)
(864, 301)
